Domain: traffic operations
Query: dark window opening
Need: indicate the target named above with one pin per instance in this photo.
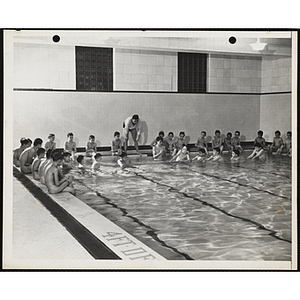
(94, 69)
(192, 72)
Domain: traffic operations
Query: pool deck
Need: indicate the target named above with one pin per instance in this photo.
(61, 227)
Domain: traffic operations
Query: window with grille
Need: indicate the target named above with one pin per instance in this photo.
(192, 72)
(94, 69)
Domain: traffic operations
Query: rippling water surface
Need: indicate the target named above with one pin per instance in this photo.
(199, 211)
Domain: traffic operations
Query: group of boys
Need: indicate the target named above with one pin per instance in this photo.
(178, 150)
(48, 171)
(30, 158)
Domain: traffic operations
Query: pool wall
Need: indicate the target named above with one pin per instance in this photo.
(275, 114)
(85, 113)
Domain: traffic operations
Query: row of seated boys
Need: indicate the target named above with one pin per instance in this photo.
(30, 159)
(177, 147)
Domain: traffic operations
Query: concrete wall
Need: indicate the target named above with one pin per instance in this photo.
(145, 70)
(38, 113)
(234, 73)
(275, 114)
(276, 74)
(44, 66)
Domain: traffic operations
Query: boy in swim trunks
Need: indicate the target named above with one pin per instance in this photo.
(81, 164)
(277, 144)
(96, 162)
(50, 144)
(288, 143)
(43, 165)
(201, 156)
(36, 163)
(67, 164)
(236, 142)
(201, 142)
(18, 151)
(258, 152)
(179, 142)
(228, 142)
(70, 145)
(116, 144)
(124, 160)
(53, 182)
(216, 156)
(235, 155)
(170, 143)
(158, 150)
(91, 146)
(133, 125)
(260, 140)
(28, 155)
(217, 141)
(182, 154)
(162, 135)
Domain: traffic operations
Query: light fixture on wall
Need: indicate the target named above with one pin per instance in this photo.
(258, 46)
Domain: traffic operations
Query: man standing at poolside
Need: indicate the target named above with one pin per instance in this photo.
(133, 125)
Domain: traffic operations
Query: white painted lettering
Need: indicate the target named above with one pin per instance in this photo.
(126, 243)
(110, 234)
(134, 251)
(148, 256)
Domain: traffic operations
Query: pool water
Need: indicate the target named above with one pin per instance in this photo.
(198, 210)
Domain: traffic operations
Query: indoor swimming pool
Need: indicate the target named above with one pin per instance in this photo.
(198, 211)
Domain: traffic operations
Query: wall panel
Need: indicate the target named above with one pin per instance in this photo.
(101, 114)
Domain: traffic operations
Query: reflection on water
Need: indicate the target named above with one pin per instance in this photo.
(202, 211)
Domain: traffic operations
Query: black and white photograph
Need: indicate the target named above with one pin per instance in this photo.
(150, 149)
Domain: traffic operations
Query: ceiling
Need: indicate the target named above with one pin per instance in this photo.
(278, 43)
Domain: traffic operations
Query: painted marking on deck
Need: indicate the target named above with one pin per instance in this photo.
(118, 240)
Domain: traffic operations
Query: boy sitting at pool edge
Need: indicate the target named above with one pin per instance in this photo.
(201, 156)
(70, 145)
(36, 163)
(201, 142)
(43, 165)
(116, 144)
(235, 155)
(288, 143)
(162, 135)
(217, 141)
(158, 150)
(216, 156)
(50, 144)
(182, 154)
(91, 146)
(228, 142)
(277, 144)
(170, 143)
(179, 142)
(257, 152)
(28, 155)
(53, 182)
(17, 152)
(260, 140)
(236, 142)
